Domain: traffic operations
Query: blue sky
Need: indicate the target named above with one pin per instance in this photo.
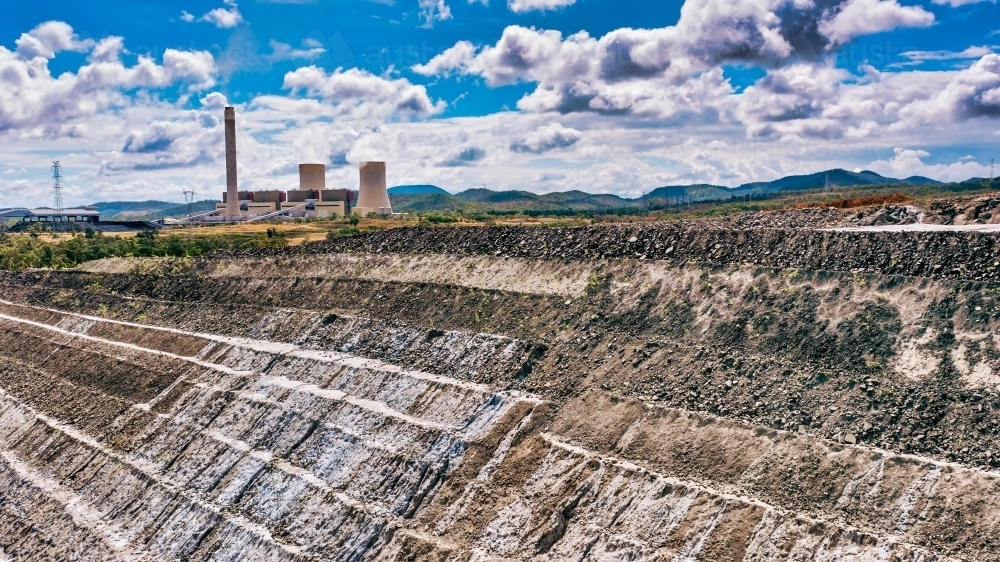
(545, 95)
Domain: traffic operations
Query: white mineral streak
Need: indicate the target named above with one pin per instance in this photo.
(353, 363)
(115, 483)
(264, 351)
(81, 514)
(457, 509)
(921, 228)
(271, 452)
(609, 509)
(693, 548)
(915, 495)
(864, 485)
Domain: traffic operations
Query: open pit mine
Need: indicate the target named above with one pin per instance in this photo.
(764, 388)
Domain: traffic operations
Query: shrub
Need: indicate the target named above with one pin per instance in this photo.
(343, 233)
(440, 218)
(18, 252)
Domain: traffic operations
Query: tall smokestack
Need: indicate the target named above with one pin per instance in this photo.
(232, 191)
(373, 193)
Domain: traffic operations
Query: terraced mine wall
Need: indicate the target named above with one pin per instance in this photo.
(942, 254)
(423, 402)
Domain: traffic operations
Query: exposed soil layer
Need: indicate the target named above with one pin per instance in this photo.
(903, 364)
(457, 395)
(957, 255)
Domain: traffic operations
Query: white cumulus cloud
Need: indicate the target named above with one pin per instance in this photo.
(865, 17)
(910, 162)
(35, 102)
(283, 51)
(433, 11)
(673, 70)
(48, 39)
(521, 6)
(970, 93)
(223, 18)
(957, 3)
(546, 138)
(360, 94)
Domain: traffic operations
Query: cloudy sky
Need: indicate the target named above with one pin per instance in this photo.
(617, 96)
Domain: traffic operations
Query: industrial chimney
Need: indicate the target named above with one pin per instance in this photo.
(232, 192)
(312, 177)
(373, 197)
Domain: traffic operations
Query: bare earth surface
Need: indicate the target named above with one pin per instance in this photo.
(755, 388)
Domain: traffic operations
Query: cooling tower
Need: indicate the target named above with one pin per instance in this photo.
(232, 197)
(312, 176)
(374, 194)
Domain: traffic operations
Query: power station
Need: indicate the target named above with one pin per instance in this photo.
(311, 199)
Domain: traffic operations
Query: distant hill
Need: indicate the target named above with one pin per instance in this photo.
(130, 209)
(588, 201)
(416, 190)
(504, 200)
(830, 178)
(920, 180)
(525, 200)
(180, 211)
(148, 210)
(425, 202)
(426, 198)
(481, 199)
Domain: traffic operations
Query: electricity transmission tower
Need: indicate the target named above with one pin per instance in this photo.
(189, 199)
(57, 198)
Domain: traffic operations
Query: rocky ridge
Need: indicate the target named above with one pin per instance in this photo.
(956, 255)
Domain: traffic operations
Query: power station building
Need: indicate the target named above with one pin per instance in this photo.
(304, 202)
(325, 202)
(86, 215)
(311, 199)
(70, 220)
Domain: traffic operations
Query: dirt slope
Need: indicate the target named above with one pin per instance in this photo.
(510, 394)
